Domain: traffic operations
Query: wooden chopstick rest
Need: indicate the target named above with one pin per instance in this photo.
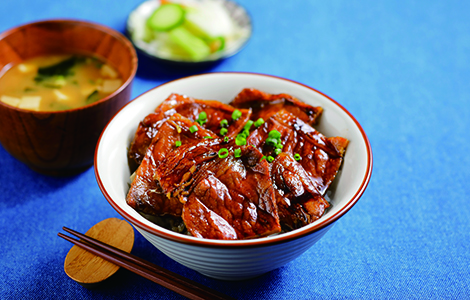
(89, 269)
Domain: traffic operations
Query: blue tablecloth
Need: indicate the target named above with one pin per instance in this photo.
(401, 68)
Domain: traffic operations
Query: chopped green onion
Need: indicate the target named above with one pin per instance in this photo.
(274, 134)
(193, 129)
(270, 158)
(202, 118)
(226, 139)
(202, 115)
(248, 125)
(223, 153)
(297, 157)
(277, 151)
(259, 122)
(224, 123)
(240, 140)
(245, 133)
(264, 157)
(279, 146)
(237, 152)
(223, 131)
(208, 137)
(271, 141)
(178, 143)
(236, 114)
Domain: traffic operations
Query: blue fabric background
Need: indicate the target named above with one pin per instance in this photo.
(402, 68)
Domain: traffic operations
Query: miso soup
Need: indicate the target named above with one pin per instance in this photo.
(58, 82)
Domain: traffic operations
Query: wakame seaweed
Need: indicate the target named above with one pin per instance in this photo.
(61, 68)
(93, 97)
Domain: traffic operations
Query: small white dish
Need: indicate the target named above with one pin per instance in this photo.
(135, 29)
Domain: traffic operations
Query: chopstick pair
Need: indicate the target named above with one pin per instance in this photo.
(157, 274)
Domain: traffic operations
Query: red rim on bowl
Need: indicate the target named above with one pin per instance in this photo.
(323, 222)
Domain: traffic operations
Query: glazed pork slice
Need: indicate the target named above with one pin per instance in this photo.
(320, 156)
(190, 108)
(299, 203)
(300, 184)
(265, 105)
(224, 198)
(145, 194)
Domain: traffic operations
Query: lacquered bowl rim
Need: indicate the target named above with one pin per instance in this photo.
(103, 28)
(252, 243)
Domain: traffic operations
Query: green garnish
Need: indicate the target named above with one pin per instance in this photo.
(202, 115)
(248, 125)
(274, 139)
(236, 114)
(297, 157)
(246, 130)
(277, 151)
(202, 118)
(237, 152)
(226, 139)
(271, 142)
(193, 129)
(178, 143)
(279, 146)
(259, 122)
(270, 158)
(208, 137)
(60, 68)
(264, 157)
(245, 133)
(224, 123)
(93, 97)
(223, 153)
(274, 134)
(223, 131)
(53, 76)
(240, 140)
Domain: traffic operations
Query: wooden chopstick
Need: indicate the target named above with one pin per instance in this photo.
(157, 274)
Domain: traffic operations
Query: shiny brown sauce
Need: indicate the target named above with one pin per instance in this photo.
(193, 176)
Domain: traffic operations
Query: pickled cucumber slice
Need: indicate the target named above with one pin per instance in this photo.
(194, 46)
(166, 17)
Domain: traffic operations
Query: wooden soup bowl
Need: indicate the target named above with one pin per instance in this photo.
(62, 143)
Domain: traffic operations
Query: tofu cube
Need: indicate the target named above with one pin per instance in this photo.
(13, 101)
(87, 90)
(60, 96)
(30, 102)
(27, 68)
(110, 85)
(107, 71)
